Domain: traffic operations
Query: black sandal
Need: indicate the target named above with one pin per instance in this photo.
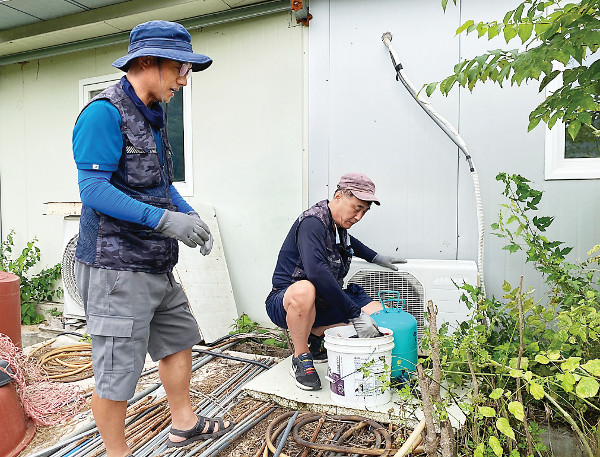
(197, 432)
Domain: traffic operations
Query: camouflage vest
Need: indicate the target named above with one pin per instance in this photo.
(106, 242)
(338, 259)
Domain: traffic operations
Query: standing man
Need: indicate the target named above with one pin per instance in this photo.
(131, 220)
(308, 295)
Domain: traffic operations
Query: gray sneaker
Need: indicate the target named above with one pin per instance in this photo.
(304, 371)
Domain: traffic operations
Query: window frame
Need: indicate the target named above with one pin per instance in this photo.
(185, 187)
(556, 166)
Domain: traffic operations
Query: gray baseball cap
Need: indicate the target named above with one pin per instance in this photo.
(360, 185)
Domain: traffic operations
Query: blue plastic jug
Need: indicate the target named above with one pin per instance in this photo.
(404, 326)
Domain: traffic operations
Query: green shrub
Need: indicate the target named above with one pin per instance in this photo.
(521, 354)
(35, 289)
(269, 337)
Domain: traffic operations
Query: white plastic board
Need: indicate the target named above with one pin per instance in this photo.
(206, 282)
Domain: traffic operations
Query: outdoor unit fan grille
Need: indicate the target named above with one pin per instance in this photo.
(409, 287)
(68, 271)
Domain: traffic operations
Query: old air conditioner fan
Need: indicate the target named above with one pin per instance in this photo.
(73, 306)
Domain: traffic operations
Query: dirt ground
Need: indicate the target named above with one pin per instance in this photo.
(204, 381)
(251, 347)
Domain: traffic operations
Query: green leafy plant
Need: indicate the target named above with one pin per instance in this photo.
(36, 288)
(244, 324)
(521, 354)
(557, 37)
(378, 369)
(54, 312)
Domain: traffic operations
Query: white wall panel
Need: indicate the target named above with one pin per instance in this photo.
(248, 130)
(361, 119)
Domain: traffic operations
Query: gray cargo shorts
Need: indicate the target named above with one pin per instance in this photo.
(130, 313)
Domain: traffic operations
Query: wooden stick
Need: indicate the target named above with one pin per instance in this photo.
(408, 444)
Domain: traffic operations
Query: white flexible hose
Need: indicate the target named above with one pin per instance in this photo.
(455, 137)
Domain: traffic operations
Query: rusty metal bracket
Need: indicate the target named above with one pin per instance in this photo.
(300, 9)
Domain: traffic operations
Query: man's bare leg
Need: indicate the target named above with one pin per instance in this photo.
(299, 304)
(175, 372)
(110, 419)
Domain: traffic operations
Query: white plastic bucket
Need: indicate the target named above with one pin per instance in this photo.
(346, 355)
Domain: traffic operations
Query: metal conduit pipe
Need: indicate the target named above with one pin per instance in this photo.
(150, 447)
(228, 400)
(157, 444)
(287, 431)
(203, 409)
(59, 449)
(231, 357)
(239, 433)
(234, 432)
(211, 407)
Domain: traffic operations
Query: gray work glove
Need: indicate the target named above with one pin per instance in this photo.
(206, 247)
(365, 326)
(387, 261)
(188, 229)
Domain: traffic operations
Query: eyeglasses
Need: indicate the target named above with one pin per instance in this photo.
(185, 69)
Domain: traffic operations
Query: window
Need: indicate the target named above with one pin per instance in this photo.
(178, 126)
(568, 159)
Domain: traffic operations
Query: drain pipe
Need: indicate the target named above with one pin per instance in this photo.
(456, 139)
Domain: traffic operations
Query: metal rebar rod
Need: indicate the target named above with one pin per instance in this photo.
(313, 438)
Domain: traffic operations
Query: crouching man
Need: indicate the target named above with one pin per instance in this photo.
(308, 295)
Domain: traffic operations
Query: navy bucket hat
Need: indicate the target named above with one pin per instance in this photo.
(169, 40)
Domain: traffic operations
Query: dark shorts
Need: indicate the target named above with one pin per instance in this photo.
(128, 314)
(326, 314)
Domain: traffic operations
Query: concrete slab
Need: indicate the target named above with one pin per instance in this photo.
(278, 386)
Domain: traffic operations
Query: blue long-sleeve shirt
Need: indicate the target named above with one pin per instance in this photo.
(97, 160)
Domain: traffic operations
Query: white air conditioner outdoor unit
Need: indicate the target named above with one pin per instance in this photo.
(73, 306)
(418, 281)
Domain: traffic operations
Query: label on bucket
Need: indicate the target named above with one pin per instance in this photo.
(371, 371)
(358, 368)
(368, 375)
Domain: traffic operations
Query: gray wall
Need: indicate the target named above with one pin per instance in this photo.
(361, 119)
